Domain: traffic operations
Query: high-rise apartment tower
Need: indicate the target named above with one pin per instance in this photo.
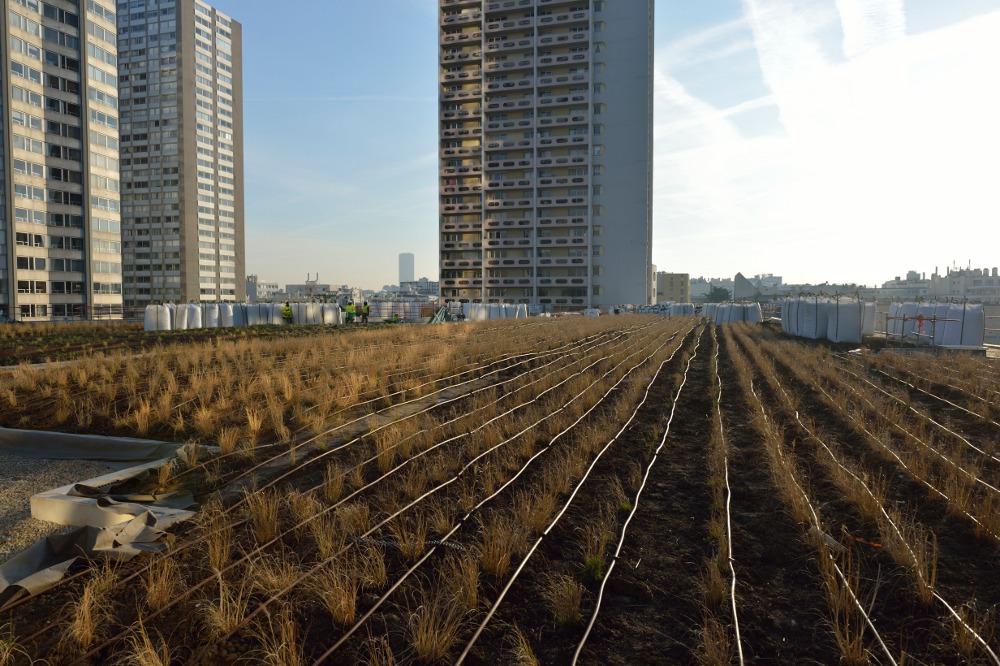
(60, 240)
(181, 152)
(405, 267)
(546, 151)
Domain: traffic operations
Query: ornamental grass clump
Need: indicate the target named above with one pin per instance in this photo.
(563, 595)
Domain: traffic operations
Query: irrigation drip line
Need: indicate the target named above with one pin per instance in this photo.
(914, 560)
(552, 524)
(729, 497)
(785, 467)
(309, 573)
(579, 344)
(478, 507)
(940, 399)
(442, 485)
(815, 385)
(635, 504)
(919, 478)
(191, 589)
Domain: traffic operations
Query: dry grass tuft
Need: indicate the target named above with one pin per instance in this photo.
(333, 482)
(501, 537)
(142, 650)
(433, 627)
(336, 587)
(281, 639)
(263, 509)
(11, 652)
(716, 644)
(459, 576)
(564, 596)
(224, 614)
(163, 582)
(521, 653)
(379, 651)
(272, 574)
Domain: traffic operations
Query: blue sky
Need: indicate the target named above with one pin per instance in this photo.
(840, 140)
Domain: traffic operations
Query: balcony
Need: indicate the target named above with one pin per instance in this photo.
(462, 208)
(563, 181)
(460, 114)
(509, 203)
(524, 82)
(525, 23)
(464, 18)
(508, 65)
(562, 80)
(490, 223)
(563, 119)
(460, 189)
(564, 59)
(562, 160)
(520, 144)
(567, 38)
(526, 102)
(563, 240)
(566, 18)
(509, 45)
(509, 4)
(507, 164)
(464, 75)
(506, 242)
(460, 56)
(507, 184)
(574, 98)
(451, 95)
(523, 123)
(462, 132)
(459, 3)
(579, 139)
(562, 201)
(461, 38)
(462, 170)
(468, 151)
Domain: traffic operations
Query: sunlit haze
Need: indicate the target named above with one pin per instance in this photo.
(819, 140)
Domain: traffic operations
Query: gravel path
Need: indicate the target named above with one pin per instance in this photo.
(20, 478)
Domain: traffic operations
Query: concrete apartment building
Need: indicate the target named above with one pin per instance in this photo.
(60, 238)
(181, 92)
(674, 287)
(546, 151)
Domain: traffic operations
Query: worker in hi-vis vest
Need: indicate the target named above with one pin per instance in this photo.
(351, 311)
(286, 312)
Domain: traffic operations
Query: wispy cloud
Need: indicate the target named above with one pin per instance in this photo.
(886, 137)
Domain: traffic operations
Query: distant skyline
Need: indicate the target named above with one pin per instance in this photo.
(819, 140)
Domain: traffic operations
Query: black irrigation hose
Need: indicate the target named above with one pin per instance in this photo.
(461, 521)
(635, 504)
(547, 530)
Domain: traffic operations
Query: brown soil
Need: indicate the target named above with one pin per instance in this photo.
(653, 610)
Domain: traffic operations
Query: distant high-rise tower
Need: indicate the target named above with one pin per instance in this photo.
(182, 152)
(546, 111)
(405, 267)
(60, 236)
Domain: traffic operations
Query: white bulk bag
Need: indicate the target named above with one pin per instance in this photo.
(210, 315)
(239, 314)
(844, 321)
(275, 314)
(812, 318)
(149, 318)
(181, 317)
(226, 315)
(908, 311)
(194, 315)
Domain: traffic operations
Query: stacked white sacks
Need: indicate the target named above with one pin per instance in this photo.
(709, 310)
(485, 311)
(849, 320)
(732, 313)
(937, 324)
(681, 309)
(186, 316)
